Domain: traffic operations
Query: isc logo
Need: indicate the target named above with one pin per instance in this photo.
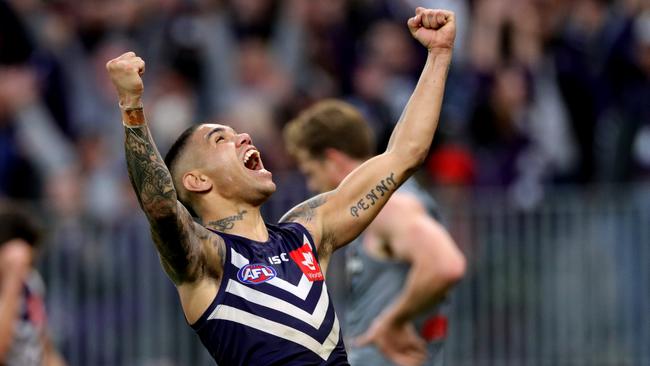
(255, 273)
(277, 259)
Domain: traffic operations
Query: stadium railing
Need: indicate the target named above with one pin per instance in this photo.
(564, 282)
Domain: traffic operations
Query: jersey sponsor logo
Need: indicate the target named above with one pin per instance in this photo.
(256, 273)
(278, 259)
(306, 260)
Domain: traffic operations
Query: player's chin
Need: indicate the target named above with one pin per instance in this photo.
(265, 184)
(269, 187)
(263, 191)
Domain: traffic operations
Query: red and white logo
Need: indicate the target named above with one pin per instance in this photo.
(305, 259)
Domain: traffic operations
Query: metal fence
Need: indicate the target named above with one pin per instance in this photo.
(566, 283)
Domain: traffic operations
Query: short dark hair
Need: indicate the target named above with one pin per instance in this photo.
(17, 223)
(178, 147)
(171, 158)
(330, 124)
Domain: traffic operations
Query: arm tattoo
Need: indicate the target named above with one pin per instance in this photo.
(221, 249)
(227, 223)
(172, 227)
(306, 210)
(209, 267)
(375, 194)
(149, 176)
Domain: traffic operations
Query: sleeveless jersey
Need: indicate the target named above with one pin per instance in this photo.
(373, 284)
(27, 345)
(272, 306)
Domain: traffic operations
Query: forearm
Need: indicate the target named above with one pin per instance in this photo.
(148, 173)
(422, 290)
(413, 133)
(150, 177)
(363, 193)
(172, 227)
(171, 224)
(10, 291)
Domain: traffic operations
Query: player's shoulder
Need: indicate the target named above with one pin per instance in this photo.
(404, 203)
(402, 206)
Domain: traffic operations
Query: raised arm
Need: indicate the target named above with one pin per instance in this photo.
(339, 216)
(180, 242)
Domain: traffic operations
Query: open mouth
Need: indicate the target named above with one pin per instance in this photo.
(252, 160)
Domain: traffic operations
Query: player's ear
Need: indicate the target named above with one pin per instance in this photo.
(194, 181)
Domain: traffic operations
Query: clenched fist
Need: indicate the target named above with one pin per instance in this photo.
(434, 28)
(125, 72)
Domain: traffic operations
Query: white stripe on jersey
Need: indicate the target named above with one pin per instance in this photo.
(324, 349)
(315, 319)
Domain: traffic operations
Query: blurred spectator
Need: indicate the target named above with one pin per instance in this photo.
(631, 156)
(540, 92)
(24, 338)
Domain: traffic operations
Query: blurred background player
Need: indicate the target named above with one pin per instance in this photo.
(401, 267)
(23, 334)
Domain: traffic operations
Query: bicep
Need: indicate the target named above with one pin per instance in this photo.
(308, 214)
(185, 246)
(361, 196)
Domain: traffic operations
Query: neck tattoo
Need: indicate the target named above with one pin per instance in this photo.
(227, 223)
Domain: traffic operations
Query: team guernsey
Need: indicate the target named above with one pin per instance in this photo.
(272, 307)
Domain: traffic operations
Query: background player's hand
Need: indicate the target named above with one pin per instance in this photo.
(434, 28)
(125, 72)
(399, 342)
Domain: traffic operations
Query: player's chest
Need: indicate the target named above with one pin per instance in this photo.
(261, 265)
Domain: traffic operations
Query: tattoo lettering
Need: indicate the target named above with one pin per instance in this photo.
(362, 204)
(374, 195)
(227, 223)
(305, 211)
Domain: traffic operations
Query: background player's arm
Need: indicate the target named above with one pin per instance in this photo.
(15, 264)
(436, 265)
(339, 216)
(179, 240)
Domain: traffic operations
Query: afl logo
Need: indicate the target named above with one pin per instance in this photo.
(256, 273)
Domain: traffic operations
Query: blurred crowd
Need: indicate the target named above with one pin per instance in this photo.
(540, 91)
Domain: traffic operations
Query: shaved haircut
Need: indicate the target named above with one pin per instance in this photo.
(172, 158)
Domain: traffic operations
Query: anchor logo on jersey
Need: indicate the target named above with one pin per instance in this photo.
(306, 260)
(256, 273)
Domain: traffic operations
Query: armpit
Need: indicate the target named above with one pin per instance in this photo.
(305, 211)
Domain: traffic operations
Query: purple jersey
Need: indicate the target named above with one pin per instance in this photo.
(272, 307)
